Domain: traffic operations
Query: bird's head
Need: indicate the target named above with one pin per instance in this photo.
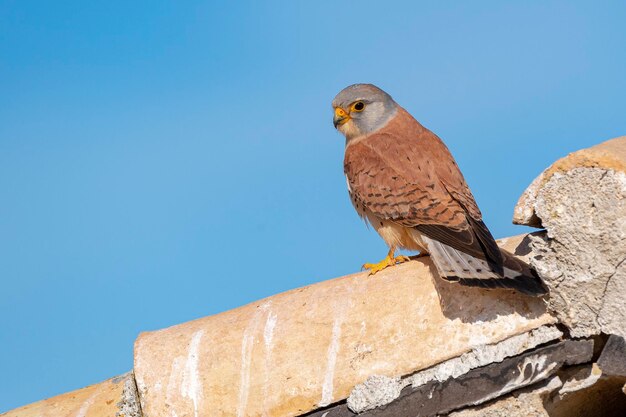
(361, 109)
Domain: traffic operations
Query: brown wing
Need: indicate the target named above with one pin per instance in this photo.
(404, 173)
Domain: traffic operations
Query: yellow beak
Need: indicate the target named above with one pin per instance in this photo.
(341, 117)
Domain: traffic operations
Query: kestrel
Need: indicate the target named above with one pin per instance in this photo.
(403, 180)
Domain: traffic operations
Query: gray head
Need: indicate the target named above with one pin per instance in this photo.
(361, 109)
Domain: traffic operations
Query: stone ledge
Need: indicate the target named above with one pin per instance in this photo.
(114, 397)
(307, 348)
(488, 382)
(367, 396)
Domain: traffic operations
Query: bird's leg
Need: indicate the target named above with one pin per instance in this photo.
(389, 260)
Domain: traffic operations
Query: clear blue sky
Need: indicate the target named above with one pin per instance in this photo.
(163, 161)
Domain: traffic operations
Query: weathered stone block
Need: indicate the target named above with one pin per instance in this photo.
(581, 201)
(307, 348)
(114, 397)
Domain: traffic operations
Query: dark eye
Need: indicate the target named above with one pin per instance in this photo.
(358, 106)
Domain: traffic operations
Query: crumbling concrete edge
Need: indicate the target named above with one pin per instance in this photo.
(581, 258)
(129, 405)
(380, 390)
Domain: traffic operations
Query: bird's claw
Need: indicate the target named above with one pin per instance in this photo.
(389, 260)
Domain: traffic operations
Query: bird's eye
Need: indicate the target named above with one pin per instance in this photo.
(358, 106)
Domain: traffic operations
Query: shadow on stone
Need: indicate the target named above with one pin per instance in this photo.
(475, 304)
(524, 248)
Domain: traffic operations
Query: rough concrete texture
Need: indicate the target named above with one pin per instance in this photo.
(607, 155)
(582, 257)
(486, 354)
(375, 392)
(307, 348)
(128, 406)
(365, 396)
(581, 201)
(99, 400)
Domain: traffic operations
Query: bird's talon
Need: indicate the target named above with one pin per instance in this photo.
(374, 268)
(389, 260)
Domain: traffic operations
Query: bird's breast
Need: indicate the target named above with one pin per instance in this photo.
(394, 234)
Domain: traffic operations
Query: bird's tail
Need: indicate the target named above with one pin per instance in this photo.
(454, 265)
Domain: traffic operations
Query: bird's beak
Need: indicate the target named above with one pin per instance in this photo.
(341, 117)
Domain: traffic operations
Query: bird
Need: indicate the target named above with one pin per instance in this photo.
(403, 180)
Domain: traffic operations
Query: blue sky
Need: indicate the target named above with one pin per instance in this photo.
(163, 161)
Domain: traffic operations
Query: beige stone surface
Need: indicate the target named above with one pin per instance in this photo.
(105, 399)
(306, 348)
(607, 155)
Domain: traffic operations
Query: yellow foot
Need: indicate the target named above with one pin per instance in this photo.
(389, 260)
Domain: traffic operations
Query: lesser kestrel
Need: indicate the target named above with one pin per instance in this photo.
(403, 180)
